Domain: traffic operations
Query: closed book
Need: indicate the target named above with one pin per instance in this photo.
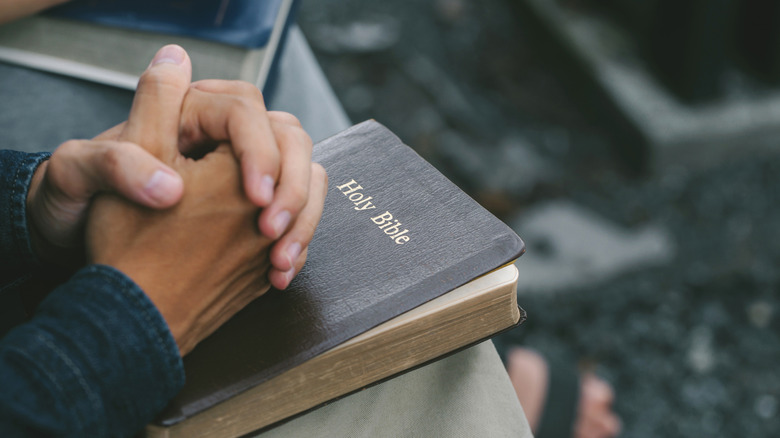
(112, 41)
(404, 267)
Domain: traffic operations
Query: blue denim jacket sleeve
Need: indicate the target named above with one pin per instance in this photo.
(96, 359)
(17, 261)
(16, 170)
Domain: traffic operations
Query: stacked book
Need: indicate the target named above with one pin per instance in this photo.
(111, 42)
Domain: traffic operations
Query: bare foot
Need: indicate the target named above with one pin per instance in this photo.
(529, 374)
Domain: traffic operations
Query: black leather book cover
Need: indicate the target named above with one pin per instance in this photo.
(394, 234)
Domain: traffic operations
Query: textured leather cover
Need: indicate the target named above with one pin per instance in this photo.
(244, 23)
(356, 276)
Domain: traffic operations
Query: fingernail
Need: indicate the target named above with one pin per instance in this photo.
(163, 186)
(281, 221)
(293, 251)
(267, 189)
(289, 276)
(171, 54)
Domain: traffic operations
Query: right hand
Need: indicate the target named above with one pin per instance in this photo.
(272, 147)
(200, 261)
(203, 259)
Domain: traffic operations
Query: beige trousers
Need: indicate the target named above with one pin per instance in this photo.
(465, 395)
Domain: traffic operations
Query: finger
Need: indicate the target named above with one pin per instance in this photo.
(596, 390)
(233, 88)
(235, 111)
(112, 133)
(285, 118)
(81, 168)
(286, 251)
(154, 117)
(292, 190)
(281, 279)
(610, 425)
(598, 425)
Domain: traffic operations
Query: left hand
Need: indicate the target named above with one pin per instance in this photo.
(62, 188)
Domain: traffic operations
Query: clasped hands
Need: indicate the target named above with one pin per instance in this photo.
(202, 197)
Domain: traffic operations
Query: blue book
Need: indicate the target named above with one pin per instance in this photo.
(112, 41)
(243, 23)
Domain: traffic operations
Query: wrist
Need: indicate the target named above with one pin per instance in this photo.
(36, 240)
(43, 248)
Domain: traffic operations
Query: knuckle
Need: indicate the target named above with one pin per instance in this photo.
(285, 118)
(231, 88)
(111, 158)
(250, 91)
(247, 91)
(284, 138)
(159, 81)
(72, 151)
(305, 139)
(319, 174)
(289, 136)
(203, 84)
(246, 104)
(68, 150)
(309, 223)
(66, 154)
(298, 197)
(242, 106)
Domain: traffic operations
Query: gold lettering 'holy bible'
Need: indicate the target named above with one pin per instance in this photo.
(404, 268)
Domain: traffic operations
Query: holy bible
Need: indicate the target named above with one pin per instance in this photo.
(403, 268)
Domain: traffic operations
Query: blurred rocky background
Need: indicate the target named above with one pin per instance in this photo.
(647, 189)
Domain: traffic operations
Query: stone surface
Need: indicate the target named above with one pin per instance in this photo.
(664, 130)
(570, 247)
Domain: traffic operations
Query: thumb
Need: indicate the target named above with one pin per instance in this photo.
(154, 117)
(139, 176)
(63, 187)
(81, 168)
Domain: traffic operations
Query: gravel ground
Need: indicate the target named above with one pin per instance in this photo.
(692, 347)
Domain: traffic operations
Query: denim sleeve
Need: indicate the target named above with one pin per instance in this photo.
(96, 360)
(16, 171)
(17, 261)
